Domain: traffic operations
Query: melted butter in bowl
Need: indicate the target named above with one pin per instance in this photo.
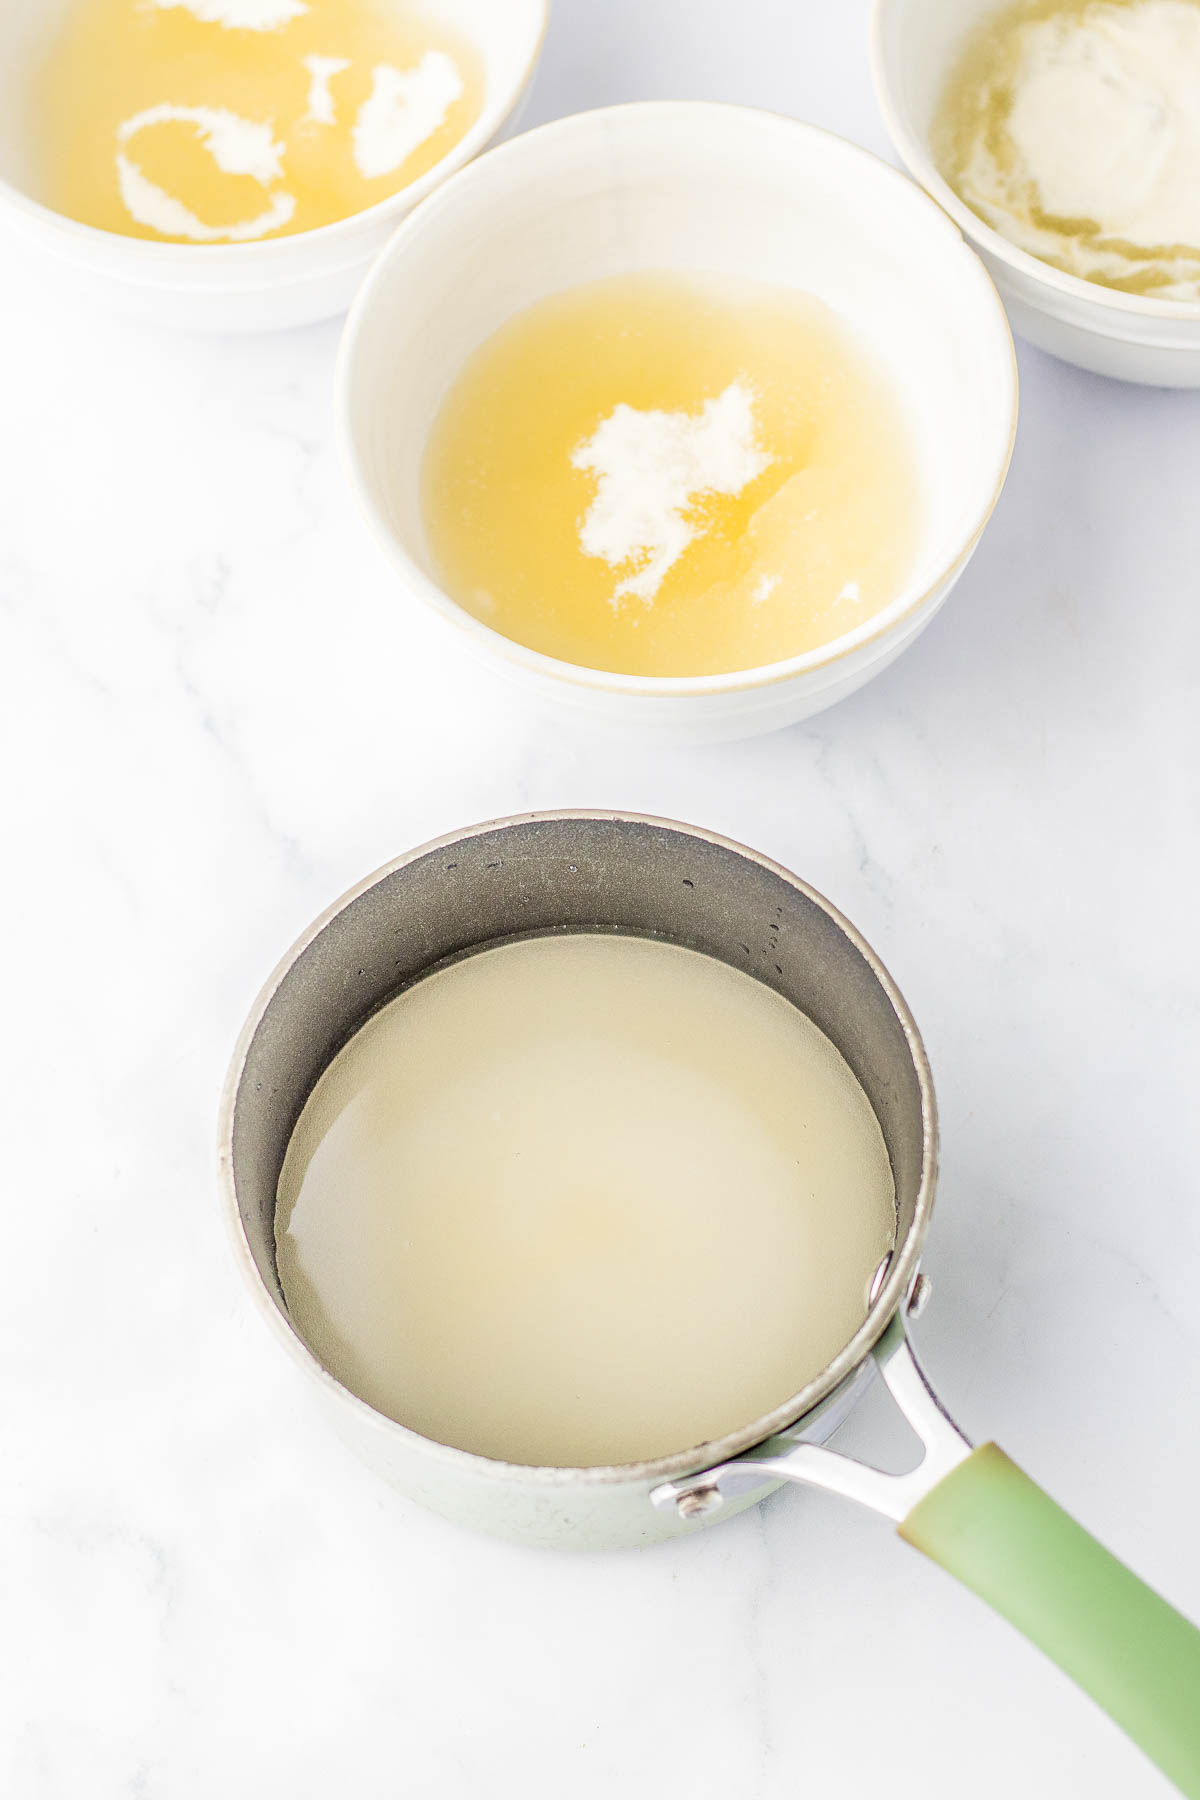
(230, 121)
(674, 474)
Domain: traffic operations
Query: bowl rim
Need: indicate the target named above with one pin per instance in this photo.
(883, 624)
(157, 257)
(828, 1381)
(915, 155)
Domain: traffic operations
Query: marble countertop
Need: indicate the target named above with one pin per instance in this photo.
(218, 713)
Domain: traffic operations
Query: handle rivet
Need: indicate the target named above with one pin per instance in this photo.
(698, 1502)
(877, 1280)
(918, 1296)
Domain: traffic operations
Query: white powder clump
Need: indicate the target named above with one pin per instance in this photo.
(850, 592)
(650, 468)
(321, 71)
(238, 146)
(764, 587)
(239, 15)
(404, 108)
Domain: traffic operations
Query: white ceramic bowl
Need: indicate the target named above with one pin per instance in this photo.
(684, 185)
(914, 44)
(242, 287)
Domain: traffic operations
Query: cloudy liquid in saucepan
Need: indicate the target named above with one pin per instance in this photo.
(582, 1199)
(229, 121)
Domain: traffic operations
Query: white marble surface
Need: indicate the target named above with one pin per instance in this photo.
(217, 713)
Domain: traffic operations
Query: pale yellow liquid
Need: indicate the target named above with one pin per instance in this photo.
(582, 1200)
(114, 60)
(822, 539)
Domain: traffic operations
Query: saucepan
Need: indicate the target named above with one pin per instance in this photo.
(969, 1509)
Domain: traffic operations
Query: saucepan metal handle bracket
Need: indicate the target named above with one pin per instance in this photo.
(980, 1517)
(812, 1465)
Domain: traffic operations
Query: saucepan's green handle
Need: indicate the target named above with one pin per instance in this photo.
(999, 1534)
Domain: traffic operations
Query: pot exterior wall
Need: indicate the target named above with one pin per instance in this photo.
(578, 1515)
